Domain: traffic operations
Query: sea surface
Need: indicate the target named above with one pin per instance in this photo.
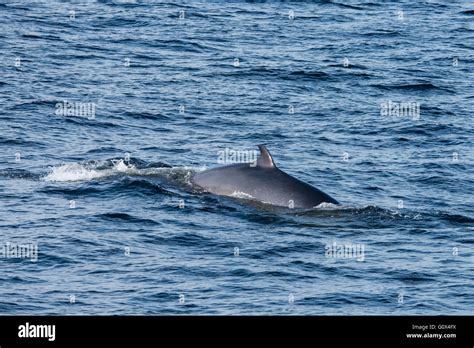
(370, 101)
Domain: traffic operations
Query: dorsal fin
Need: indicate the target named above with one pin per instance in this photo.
(265, 159)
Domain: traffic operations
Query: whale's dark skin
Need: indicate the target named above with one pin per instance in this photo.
(263, 182)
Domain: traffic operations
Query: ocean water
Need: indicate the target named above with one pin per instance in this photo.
(108, 107)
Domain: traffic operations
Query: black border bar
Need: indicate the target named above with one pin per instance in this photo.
(243, 330)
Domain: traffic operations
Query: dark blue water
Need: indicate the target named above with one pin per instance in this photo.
(170, 89)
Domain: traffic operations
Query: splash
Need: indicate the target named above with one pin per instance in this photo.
(88, 171)
(93, 170)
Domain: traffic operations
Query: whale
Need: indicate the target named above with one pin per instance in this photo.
(260, 181)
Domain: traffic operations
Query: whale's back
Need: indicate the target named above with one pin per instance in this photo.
(267, 184)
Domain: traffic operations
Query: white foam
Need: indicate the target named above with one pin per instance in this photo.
(239, 194)
(325, 205)
(84, 172)
(87, 171)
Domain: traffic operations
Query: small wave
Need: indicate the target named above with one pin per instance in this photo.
(413, 277)
(33, 104)
(456, 218)
(128, 218)
(310, 75)
(21, 142)
(38, 36)
(143, 186)
(375, 213)
(352, 7)
(127, 185)
(421, 87)
(18, 174)
(145, 115)
(124, 22)
(179, 45)
(382, 33)
(328, 209)
(298, 75)
(428, 129)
